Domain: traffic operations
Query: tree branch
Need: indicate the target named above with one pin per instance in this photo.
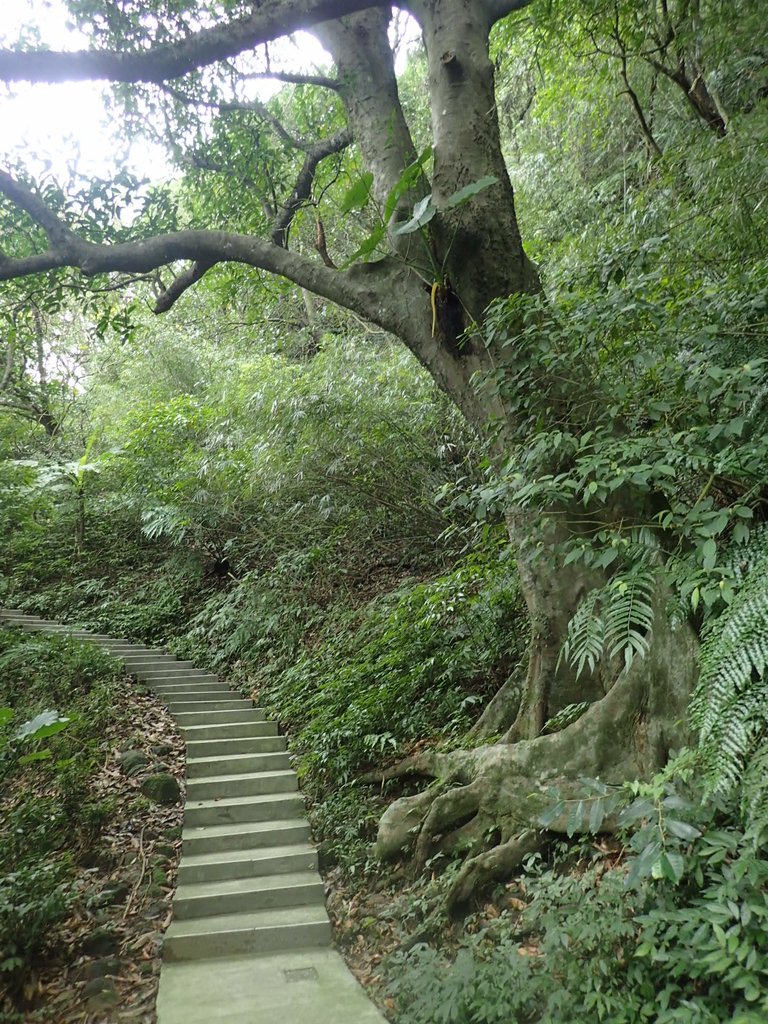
(291, 78)
(303, 187)
(22, 196)
(172, 60)
(180, 284)
(385, 292)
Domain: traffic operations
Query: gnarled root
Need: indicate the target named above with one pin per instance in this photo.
(491, 865)
(448, 809)
(496, 794)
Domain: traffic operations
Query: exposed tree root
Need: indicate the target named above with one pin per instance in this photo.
(496, 864)
(491, 798)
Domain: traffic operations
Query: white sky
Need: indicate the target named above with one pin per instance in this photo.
(65, 124)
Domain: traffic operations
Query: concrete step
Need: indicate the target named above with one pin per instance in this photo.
(228, 747)
(235, 895)
(232, 717)
(209, 691)
(224, 787)
(264, 807)
(247, 835)
(174, 675)
(255, 932)
(236, 764)
(152, 661)
(241, 729)
(206, 706)
(248, 863)
(193, 687)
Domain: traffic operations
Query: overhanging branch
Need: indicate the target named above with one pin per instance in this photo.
(303, 187)
(376, 292)
(172, 60)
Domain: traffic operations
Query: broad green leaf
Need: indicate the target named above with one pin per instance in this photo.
(47, 723)
(575, 819)
(423, 212)
(370, 245)
(37, 755)
(551, 814)
(358, 195)
(463, 194)
(672, 866)
(643, 864)
(681, 829)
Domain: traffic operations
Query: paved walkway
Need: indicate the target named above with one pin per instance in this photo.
(250, 938)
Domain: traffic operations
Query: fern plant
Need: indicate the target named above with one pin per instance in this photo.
(730, 705)
(611, 620)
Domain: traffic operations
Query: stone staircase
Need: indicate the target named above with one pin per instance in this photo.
(249, 901)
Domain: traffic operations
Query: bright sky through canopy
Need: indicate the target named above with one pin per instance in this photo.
(60, 126)
(63, 124)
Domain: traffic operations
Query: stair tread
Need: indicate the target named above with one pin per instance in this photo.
(235, 759)
(255, 883)
(239, 801)
(276, 773)
(238, 828)
(252, 919)
(252, 853)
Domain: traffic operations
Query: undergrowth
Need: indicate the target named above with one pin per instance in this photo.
(49, 815)
(583, 946)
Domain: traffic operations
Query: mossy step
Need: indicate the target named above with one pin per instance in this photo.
(207, 899)
(253, 932)
(246, 835)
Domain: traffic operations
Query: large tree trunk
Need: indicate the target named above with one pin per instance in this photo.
(491, 798)
(637, 715)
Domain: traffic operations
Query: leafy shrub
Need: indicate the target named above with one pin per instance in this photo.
(45, 765)
(589, 948)
(34, 899)
(415, 663)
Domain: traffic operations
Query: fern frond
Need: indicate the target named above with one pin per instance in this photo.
(730, 705)
(617, 617)
(628, 614)
(585, 639)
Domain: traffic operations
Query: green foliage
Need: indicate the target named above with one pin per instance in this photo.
(686, 949)
(412, 664)
(612, 620)
(417, 663)
(730, 706)
(49, 813)
(34, 899)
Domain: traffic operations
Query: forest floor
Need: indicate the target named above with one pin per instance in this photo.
(104, 959)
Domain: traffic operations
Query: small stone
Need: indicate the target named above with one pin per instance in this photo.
(165, 850)
(161, 749)
(162, 788)
(100, 994)
(132, 762)
(114, 892)
(103, 967)
(101, 942)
